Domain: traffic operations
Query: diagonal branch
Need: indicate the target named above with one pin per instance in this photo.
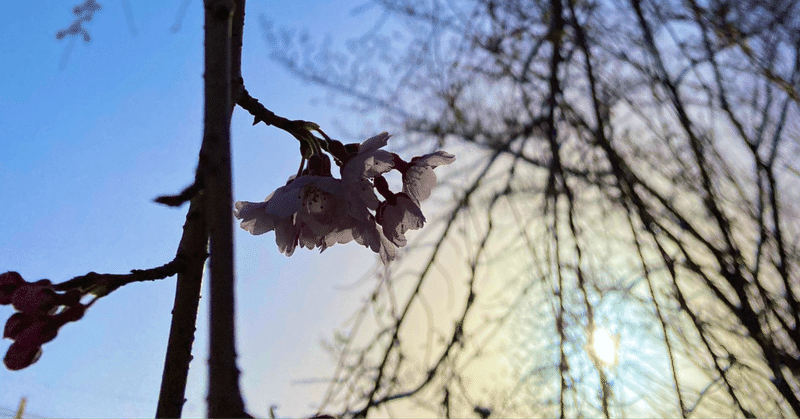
(192, 248)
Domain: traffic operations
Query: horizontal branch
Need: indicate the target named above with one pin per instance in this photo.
(104, 284)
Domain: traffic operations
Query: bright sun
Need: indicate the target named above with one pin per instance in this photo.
(604, 346)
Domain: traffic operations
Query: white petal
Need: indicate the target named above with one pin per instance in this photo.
(367, 165)
(361, 194)
(307, 237)
(254, 219)
(377, 163)
(341, 236)
(285, 201)
(418, 182)
(435, 159)
(247, 209)
(367, 235)
(374, 143)
(286, 235)
(397, 219)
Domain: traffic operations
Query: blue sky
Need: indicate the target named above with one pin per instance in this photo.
(91, 133)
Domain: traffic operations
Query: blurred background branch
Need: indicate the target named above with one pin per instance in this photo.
(632, 173)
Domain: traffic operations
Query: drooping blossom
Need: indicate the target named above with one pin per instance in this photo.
(419, 179)
(260, 217)
(316, 210)
(370, 161)
(279, 209)
(312, 211)
(324, 218)
(398, 217)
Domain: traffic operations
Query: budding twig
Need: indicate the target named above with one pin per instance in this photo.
(104, 284)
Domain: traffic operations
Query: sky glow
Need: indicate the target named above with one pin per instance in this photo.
(604, 346)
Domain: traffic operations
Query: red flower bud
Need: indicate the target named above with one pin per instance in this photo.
(9, 282)
(21, 356)
(34, 298)
(39, 330)
(11, 277)
(16, 324)
(5, 294)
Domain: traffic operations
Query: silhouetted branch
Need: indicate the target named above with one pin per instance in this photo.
(185, 195)
(224, 395)
(261, 114)
(104, 284)
(84, 12)
(192, 248)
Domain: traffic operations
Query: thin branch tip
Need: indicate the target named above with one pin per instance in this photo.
(184, 196)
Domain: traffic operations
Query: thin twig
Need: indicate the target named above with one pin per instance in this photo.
(104, 284)
(184, 196)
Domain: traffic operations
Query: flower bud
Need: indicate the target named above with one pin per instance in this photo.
(39, 331)
(21, 356)
(36, 297)
(16, 324)
(337, 150)
(319, 165)
(11, 277)
(9, 282)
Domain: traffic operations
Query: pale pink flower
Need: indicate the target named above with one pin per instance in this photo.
(278, 210)
(398, 217)
(419, 179)
(370, 161)
(324, 219)
(320, 211)
(260, 217)
(316, 211)
(371, 237)
(327, 219)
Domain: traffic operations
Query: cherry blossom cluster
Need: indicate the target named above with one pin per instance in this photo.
(41, 311)
(314, 209)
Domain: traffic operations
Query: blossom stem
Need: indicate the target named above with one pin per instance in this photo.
(383, 188)
(300, 169)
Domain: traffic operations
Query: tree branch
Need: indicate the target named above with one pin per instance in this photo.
(104, 284)
(224, 396)
(192, 248)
